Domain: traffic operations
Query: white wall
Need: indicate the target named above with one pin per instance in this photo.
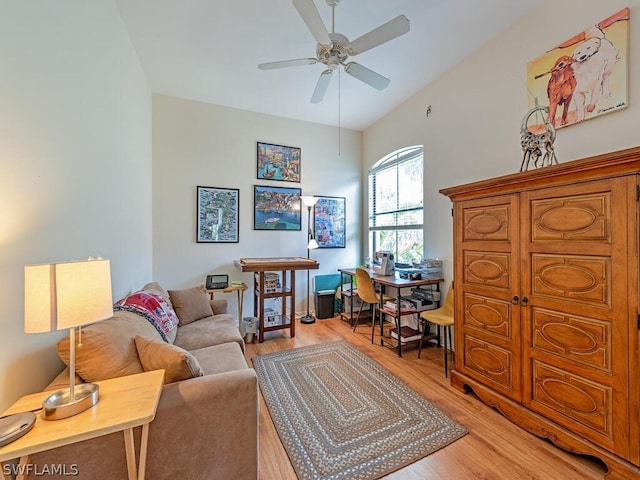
(75, 163)
(473, 131)
(201, 144)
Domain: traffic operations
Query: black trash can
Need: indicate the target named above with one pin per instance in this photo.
(325, 300)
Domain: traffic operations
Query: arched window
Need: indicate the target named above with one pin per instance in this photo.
(396, 209)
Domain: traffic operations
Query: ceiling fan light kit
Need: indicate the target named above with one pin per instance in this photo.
(334, 48)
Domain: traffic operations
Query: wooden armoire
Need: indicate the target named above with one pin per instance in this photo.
(546, 302)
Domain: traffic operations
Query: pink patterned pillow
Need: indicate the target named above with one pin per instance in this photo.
(152, 306)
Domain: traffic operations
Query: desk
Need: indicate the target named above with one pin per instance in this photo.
(123, 404)
(394, 281)
(287, 289)
(240, 289)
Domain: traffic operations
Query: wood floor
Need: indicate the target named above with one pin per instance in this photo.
(494, 448)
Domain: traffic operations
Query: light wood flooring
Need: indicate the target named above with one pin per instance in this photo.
(494, 448)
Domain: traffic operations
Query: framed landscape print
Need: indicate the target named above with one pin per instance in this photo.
(217, 210)
(276, 208)
(329, 221)
(277, 162)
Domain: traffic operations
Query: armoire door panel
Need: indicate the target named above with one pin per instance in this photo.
(572, 338)
(577, 403)
(487, 269)
(571, 219)
(493, 364)
(490, 315)
(586, 280)
(487, 223)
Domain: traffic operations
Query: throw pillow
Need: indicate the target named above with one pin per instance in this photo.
(191, 304)
(177, 363)
(108, 349)
(152, 306)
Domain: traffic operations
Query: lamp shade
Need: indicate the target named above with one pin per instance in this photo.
(312, 245)
(59, 296)
(309, 201)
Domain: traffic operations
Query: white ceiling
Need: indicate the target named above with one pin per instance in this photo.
(208, 50)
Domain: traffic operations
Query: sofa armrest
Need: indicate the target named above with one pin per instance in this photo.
(221, 412)
(219, 306)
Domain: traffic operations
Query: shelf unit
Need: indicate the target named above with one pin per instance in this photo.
(286, 294)
(287, 267)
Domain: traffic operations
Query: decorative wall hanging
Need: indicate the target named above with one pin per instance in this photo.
(277, 162)
(217, 220)
(276, 208)
(329, 221)
(585, 76)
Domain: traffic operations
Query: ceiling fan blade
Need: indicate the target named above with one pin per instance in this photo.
(366, 75)
(385, 32)
(287, 63)
(310, 15)
(321, 86)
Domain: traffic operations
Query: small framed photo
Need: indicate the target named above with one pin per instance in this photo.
(277, 162)
(329, 221)
(217, 212)
(276, 208)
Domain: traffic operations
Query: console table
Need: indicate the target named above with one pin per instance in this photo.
(287, 266)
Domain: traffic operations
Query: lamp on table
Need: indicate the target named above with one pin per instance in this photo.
(309, 202)
(58, 296)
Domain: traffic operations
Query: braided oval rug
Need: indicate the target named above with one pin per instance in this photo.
(340, 415)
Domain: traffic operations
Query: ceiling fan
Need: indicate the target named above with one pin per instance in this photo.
(334, 48)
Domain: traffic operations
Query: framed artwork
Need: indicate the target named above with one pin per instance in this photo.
(329, 221)
(277, 162)
(585, 76)
(217, 211)
(276, 208)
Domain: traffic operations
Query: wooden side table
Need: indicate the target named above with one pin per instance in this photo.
(240, 289)
(124, 403)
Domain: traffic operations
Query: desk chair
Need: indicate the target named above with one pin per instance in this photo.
(368, 294)
(442, 317)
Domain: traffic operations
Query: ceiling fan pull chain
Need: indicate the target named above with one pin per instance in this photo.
(339, 103)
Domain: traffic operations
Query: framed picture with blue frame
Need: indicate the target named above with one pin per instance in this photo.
(329, 220)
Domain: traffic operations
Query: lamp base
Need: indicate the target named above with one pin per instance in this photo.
(308, 319)
(62, 405)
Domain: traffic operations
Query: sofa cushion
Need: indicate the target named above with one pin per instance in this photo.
(209, 331)
(152, 306)
(108, 349)
(191, 304)
(226, 357)
(177, 363)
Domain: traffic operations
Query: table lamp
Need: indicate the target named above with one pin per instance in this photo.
(309, 202)
(67, 295)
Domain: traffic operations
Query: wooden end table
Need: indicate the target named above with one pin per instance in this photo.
(240, 289)
(123, 404)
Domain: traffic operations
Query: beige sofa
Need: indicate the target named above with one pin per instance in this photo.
(206, 425)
